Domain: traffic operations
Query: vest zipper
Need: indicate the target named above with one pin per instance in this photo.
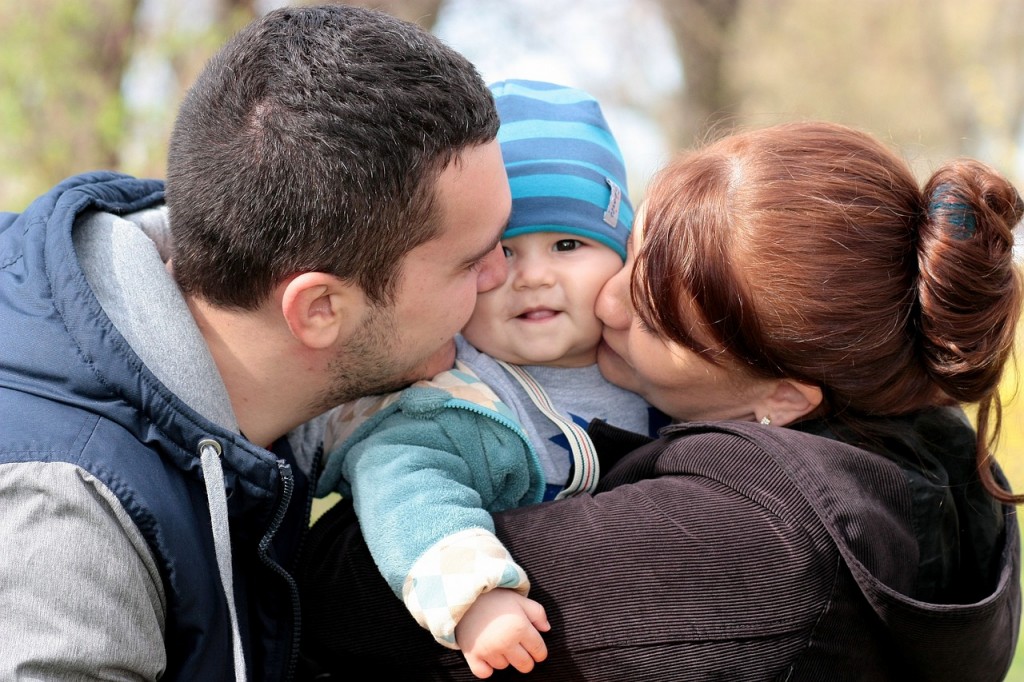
(287, 486)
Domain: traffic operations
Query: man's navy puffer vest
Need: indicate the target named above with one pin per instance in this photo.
(72, 390)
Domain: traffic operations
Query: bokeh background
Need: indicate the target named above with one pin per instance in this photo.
(88, 84)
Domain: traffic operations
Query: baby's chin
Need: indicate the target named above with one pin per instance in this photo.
(544, 358)
(535, 352)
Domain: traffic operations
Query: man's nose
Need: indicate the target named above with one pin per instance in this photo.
(493, 270)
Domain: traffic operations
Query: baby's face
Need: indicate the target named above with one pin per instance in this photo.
(544, 312)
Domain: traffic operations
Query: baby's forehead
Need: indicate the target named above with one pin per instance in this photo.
(545, 235)
(553, 236)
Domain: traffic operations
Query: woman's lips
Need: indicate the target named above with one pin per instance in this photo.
(605, 347)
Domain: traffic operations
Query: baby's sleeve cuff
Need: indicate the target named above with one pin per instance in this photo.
(447, 578)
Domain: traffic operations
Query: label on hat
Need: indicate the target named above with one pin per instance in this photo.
(611, 214)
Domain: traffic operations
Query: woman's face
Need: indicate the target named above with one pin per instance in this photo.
(669, 376)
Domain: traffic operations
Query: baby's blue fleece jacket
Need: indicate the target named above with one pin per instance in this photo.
(425, 470)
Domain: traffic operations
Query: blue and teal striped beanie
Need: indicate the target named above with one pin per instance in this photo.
(564, 167)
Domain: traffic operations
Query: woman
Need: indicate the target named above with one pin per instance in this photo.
(821, 509)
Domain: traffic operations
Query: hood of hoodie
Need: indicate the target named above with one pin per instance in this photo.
(58, 342)
(936, 558)
(964, 602)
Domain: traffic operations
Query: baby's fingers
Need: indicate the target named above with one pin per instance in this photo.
(479, 666)
(522, 658)
(537, 615)
(533, 646)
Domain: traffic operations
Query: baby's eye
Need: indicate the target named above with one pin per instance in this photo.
(507, 251)
(568, 244)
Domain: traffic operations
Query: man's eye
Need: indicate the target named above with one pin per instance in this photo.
(568, 244)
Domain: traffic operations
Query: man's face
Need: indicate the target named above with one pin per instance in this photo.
(438, 283)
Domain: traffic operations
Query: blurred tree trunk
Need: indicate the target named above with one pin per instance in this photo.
(703, 31)
(108, 57)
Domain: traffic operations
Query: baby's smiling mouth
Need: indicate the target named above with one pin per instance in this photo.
(537, 314)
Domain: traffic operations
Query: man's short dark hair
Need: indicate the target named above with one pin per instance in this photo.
(312, 142)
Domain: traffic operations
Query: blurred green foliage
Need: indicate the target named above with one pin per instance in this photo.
(63, 68)
(61, 108)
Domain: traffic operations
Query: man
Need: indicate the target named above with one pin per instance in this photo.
(334, 201)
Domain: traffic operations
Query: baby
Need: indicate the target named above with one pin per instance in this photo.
(506, 426)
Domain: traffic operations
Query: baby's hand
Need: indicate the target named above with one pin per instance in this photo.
(500, 629)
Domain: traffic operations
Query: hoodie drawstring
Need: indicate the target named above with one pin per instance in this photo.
(213, 475)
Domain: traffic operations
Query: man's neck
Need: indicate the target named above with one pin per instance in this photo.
(256, 358)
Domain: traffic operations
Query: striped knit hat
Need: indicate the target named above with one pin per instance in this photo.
(564, 167)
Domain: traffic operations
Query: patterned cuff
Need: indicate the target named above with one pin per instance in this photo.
(346, 418)
(446, 580)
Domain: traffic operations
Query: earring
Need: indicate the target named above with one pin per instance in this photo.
(765, 421)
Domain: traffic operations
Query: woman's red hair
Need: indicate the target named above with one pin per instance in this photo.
(810, 252)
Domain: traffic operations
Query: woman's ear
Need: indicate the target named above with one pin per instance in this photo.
(321, 309)
(790, 401)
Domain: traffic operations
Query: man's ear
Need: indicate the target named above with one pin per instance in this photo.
(789, 401)
(321, 309)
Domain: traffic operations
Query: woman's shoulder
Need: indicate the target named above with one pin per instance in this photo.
(832, 471)
(722, 451)
(891, 505)
(843, 495)
(836, 478)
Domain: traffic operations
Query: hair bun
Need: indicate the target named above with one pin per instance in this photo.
(969, 285)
